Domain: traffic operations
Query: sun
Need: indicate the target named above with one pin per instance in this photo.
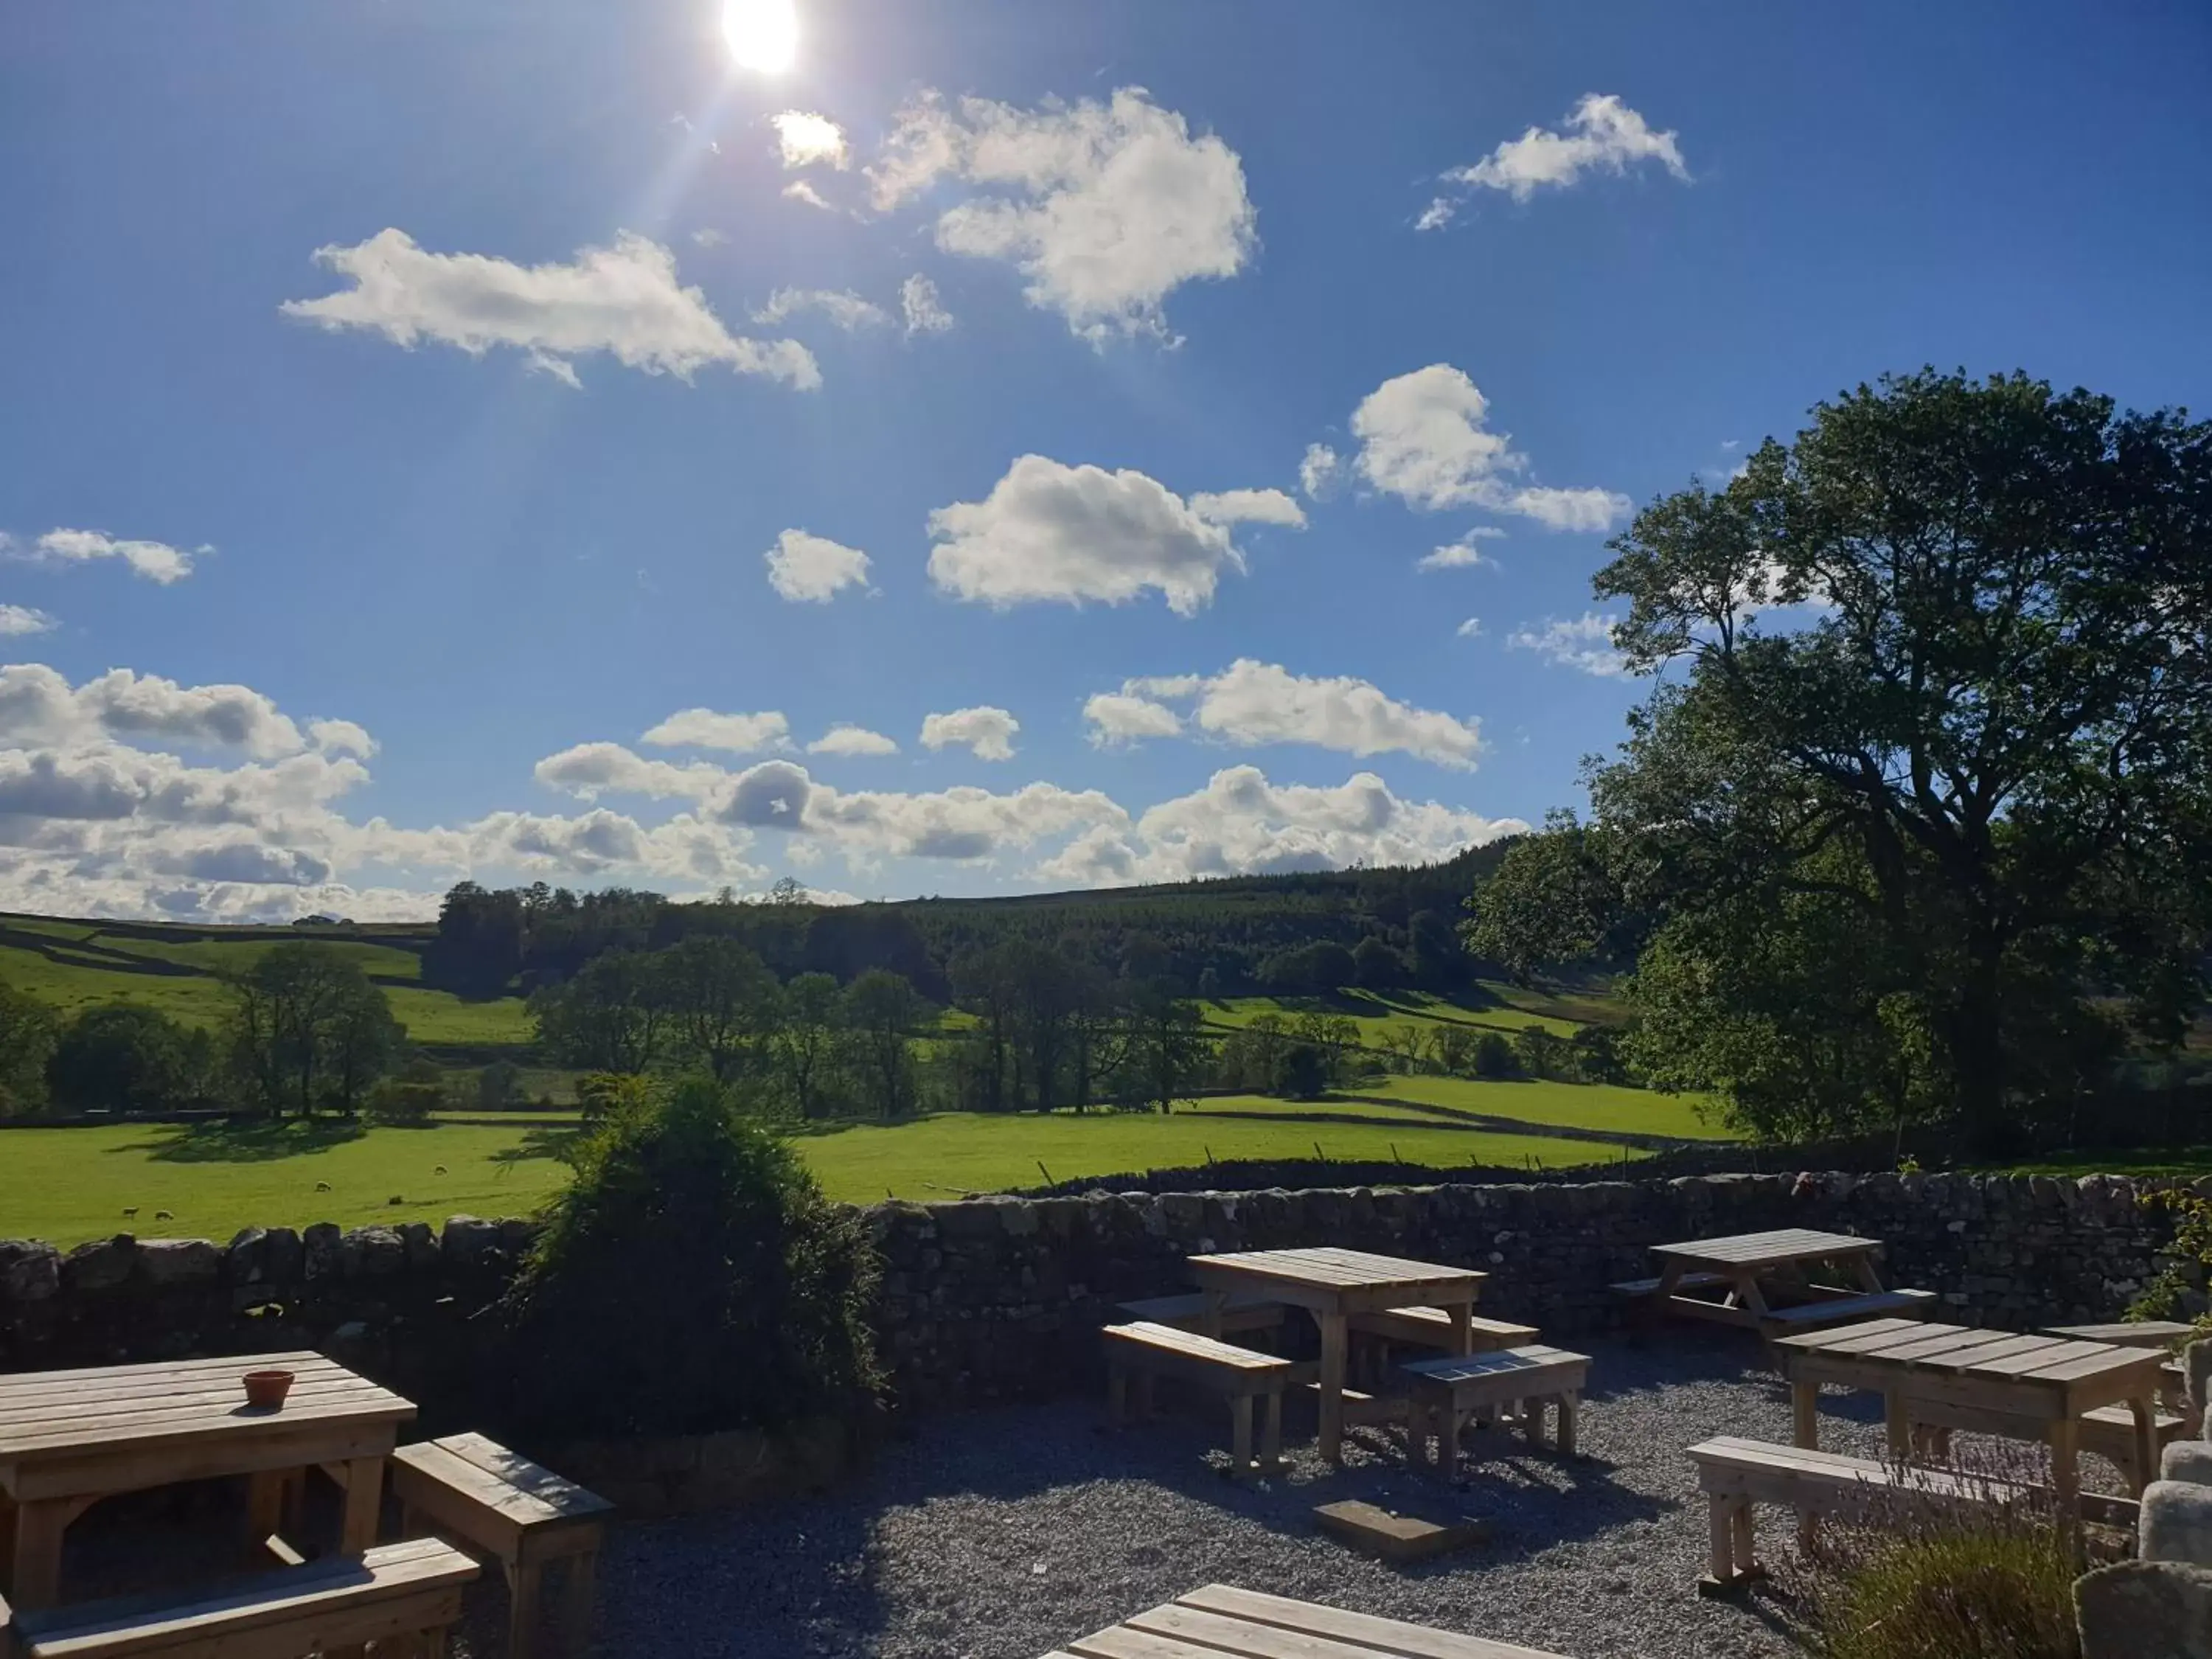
(763, 34)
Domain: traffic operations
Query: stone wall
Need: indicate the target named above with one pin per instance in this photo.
(998, 1298)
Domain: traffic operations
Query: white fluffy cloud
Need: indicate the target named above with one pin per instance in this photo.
(852, 740)
(155, 561)
(39, 706)
(1584, 642)
(1469, 630)
(1462, 555)
(812, 569)
(1106, 208)
(623, 300)
(702, 728)
(807, 140)
(1602, 134)
(923, 311)
(987, 732)
(800, 191)
(20, 619)
(1319, 472)
(847, 309)
(1423, 438)
(1052, 532)
(1254, 703)
(1248, 507)
(92, 823)
(1115, 718)
(1240, 823)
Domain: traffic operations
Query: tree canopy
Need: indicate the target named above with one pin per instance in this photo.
(1916, 820)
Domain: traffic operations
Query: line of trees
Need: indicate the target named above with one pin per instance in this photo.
(305, 1031)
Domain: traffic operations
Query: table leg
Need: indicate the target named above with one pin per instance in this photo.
(1332, 1385)
(1240, 1438)
(1462, 1319)
(2066, 1474)
(525, 1588)
(1569, 1406)
(39, 1525)
(1209, 1321)
(364, 1501)
(1869, 1277)
(1271, 1431)
(264, 1509)
(1897, 1417)
(578, 1603)
(7, 1543)
(1805, 1414)
(2146, 1469)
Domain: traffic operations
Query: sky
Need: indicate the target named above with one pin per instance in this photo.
(964, 447)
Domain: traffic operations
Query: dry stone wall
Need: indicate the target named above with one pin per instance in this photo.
(999, 1298)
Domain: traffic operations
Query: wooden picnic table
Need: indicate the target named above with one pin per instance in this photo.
(71, 1438)
(1742, 1266)
(1331, 1284)
(1224, 1622)
(2025, 1388)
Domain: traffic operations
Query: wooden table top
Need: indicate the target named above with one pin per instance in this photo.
(126, 1407)
(1769, 1249)
(1327, 1269)
(1910, 1347)
(1222, 1620)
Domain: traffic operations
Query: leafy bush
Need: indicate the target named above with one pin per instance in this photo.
(2178, 1291)
(408, 1099)
(1493, 1056)
(119, 1056)
(690, 1278)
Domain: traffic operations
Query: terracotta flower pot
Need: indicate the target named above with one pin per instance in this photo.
(267, 1389)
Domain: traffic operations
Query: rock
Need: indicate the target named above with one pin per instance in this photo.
(466, 1238)
(516, 1234)
(2136, 1609)
(2187, 1460)
(30, 1269)
(100, 1267)
(2197, 1364)
(2176, 1524)
(322, 1250)
(165, 1261)
(373, 1251)
(422, 1245)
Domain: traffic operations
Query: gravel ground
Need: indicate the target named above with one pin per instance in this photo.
(1000, 1535)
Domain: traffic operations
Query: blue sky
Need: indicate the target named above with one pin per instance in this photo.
(333, 579)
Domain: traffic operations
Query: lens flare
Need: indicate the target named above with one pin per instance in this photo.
(762, 35)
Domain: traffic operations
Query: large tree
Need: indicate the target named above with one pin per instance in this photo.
(1939, 690)
(308, 1028)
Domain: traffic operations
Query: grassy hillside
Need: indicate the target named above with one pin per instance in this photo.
(178, 969)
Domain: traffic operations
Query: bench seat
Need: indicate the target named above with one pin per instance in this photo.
(1140, 1352)
(1445, 1393)
(1734, 1473)
(1187, 1312)
(1431, 1328)
(410, 1589)
(521, 1514)
(1844, 1309)
(1633, 1288)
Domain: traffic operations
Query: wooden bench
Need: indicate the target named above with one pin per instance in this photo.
(523, 1517)
(2109, 1432)
(1188, 1313)
(1144, 1351)
(1446, 1392)
(1847, 1309)
(1734, 1473)
(407, 1592)
(1635, 1289)
(1374, 1334)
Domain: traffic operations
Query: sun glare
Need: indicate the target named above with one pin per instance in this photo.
(763, 34)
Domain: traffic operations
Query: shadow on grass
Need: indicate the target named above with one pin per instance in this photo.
(536, 1144)
(235, 1141)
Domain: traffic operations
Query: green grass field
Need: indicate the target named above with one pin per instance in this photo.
(73, 965)
(1576, 1105)
(70, 1185)
(1499, 1007)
